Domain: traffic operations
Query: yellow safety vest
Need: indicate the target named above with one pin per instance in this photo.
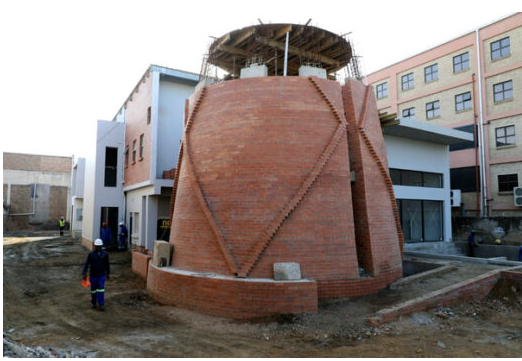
(62, 223)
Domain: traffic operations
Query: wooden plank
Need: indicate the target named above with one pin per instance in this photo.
(233, 50)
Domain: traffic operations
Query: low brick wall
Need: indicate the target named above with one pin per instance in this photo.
(230, 297)
(88, 244)
(356, 286)
(474, 289)
(140, 263)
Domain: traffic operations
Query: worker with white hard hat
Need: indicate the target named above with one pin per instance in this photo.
(122, 237)
(98, 260)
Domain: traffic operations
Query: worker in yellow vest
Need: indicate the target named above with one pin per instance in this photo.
(62, 225)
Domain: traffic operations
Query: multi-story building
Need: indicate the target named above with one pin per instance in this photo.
(35, 191)
(130, 179)
(76, 194)
(471, 83)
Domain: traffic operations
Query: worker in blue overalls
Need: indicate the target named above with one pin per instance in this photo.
(98, 260)
(105, 235)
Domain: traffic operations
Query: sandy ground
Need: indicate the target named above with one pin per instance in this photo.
(47, 313)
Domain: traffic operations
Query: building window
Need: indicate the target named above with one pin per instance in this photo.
(503, 91)
(408, 113)
(463, 101)
(148, 115)
(465, 179)
(111, 165)
(460, 62)
(505, 135)
(407, 81)
(506, 182)
(126, 156)
(79, 214)
(432, 109)
(431, 73)
(134, 151)
(500, 48)
(466, 144)
(382, 90)
(141, 145)
(411, 178)
(421, 220)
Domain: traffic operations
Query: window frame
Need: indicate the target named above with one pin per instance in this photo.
(142, 141)
(500, 48)
(509, 184)
(126, 155)
(503, 91)
(134, 151)
(408, 81)
(383, 91)
(401, 173)
(457, 61)
(505, 136)
(410, 113)
(435, 110)
(149, 115)
(463, 102)
(434, 74)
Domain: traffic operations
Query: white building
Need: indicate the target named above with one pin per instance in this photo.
(76, 195)
(419, 161)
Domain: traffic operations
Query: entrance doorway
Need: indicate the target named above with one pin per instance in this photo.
(109, 215)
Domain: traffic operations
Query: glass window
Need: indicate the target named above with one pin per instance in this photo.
(148, 115)
(408, 113)
(127, 156)
(432, 180)
(431, 73)
(111, 166)
(503, 91)
(403, 177)
(421, 220)
(505, 135)
(395, 175)
(464, 145)
(432, 109)
(465, 179)
(500, 48)
(432, 220)
(141, 145)
(506, 182)
(382, 90)
(463, 101)
(133, 150)
(407, 81)
(460, 62)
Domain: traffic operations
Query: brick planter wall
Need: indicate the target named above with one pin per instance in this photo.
(140, 263)
(228, 296)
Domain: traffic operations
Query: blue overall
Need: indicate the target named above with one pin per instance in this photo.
(105, 235)
(122, 238)
(100, 269)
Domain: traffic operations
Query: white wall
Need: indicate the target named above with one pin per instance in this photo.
(109, 134)
(135, 205)
(404, 153)
(171, 109)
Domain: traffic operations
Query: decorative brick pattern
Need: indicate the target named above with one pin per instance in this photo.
(140, 263)
(237, 298)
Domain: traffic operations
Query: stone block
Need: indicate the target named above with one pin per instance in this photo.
(287, 271)
(161, 254)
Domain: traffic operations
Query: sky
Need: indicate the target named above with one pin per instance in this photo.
(66, 64)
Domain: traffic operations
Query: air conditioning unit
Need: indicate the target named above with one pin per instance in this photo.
(455, 197)
(517, 196)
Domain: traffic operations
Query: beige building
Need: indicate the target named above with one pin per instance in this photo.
(471, 83)
(35, 191)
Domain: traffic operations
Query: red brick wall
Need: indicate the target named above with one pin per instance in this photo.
(237, 298)
(253, 144)
(135, 125)
(378, 240)
(140, 263)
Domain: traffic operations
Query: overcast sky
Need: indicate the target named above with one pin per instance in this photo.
(66, 64)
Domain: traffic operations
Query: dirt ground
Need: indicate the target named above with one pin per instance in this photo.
(47, 313)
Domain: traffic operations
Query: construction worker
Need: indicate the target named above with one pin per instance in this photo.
(122, 238)
(62, 225)
(472, 243)
(105, 235)
(98, 260)
(498, 241)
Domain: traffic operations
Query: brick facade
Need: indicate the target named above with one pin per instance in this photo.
(264, 177)
(40, 163)
(140, 263)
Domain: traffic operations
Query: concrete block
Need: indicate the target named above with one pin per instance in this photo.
(253, 71)
(287, 271)
(161, 254)
(306, 70)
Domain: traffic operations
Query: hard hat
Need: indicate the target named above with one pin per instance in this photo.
(472, 231)
(498, 241)
(121, 223)
(98, 242)
(104, 224)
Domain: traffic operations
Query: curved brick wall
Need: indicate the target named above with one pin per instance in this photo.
(264, 177)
